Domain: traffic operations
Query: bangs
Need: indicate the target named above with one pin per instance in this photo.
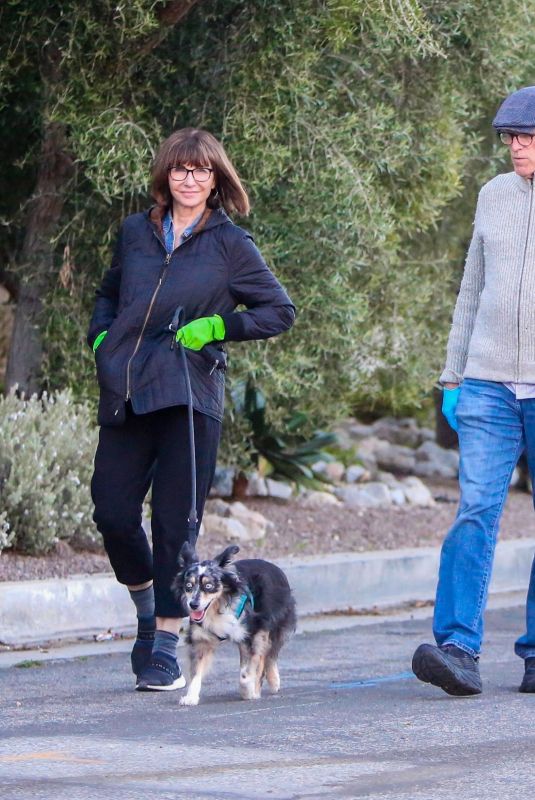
(190, 151)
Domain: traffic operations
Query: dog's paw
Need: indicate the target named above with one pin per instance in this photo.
(189, 700)
(248, 692)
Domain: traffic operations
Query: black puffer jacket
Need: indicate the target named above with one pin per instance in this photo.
(215, 270)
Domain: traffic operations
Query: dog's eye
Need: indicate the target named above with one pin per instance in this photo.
(209, 586)
(188, 586)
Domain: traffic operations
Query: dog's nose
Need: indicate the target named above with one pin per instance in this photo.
(194, 605)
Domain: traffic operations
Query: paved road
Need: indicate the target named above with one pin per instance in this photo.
(350, 722)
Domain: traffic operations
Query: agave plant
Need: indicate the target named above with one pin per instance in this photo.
(289, 454)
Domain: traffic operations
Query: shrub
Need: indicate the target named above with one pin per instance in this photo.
(46, 458)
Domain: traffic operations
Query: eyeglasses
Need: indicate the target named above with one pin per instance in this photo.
(523, 139)
(200, 174)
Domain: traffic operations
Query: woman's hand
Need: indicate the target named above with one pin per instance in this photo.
(450, 398)
(98, 340)
(201, 331)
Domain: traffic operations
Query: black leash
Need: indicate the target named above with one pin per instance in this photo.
(219, 361)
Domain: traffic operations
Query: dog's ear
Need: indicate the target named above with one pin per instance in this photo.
(226, 556)
(187, 555)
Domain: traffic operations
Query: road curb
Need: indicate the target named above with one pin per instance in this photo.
(65, 608)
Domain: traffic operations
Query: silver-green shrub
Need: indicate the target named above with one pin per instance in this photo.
(46, 457)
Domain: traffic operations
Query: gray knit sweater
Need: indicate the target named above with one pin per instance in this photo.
(493, 331)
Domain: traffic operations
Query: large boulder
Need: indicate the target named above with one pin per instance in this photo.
(255, 523)
(315, 500)
(431, 460)
(366, 495)
(226, 528)
(416, 492)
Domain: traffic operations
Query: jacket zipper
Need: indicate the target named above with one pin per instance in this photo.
(517, 376)
(147, 315)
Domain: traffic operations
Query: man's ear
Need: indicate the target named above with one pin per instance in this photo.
(226, 556)
(187, 556)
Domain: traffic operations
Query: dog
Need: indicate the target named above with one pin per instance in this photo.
(248, 602)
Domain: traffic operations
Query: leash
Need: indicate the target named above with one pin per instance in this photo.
(219, 361)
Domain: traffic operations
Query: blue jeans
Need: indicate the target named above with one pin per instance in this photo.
(494, 429)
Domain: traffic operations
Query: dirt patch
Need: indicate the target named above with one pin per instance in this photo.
(298, 531)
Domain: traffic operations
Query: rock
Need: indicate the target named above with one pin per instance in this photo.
(223, 482)
(366, 451)
(416, 492)
(334, 471)
(515, 478)
(226, 527)
(356, 473)
(314, 499)
(254, 522)
(427, 435)
(397, 496)
(358, 430)
(398, 431)
(318, 468)
(431, 459)
(256, 486)
(390, 480)
(395, 457)
(369, 495)
(217, 506)
(278, 489)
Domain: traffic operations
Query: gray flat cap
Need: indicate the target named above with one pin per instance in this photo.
(517, 112)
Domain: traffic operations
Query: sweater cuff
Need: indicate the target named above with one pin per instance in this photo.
(234, 327)
(450, 376)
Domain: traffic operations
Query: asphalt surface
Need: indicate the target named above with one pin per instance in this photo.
(350, 722)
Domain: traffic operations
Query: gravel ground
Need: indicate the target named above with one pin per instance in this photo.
(300, 531)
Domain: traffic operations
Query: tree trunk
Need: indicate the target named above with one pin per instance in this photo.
(36, 264)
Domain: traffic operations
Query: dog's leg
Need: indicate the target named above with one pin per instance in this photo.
(252, 666)
(200, 660)
(272, 674)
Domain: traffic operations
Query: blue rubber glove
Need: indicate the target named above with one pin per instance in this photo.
(450, 398)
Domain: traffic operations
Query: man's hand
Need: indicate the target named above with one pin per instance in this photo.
(201, 331)
(450, 398)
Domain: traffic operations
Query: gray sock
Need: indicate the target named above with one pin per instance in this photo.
(165, 642)
(144, 603)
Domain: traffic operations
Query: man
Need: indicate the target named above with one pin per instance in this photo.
(489, 397)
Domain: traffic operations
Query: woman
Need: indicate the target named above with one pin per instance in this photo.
(184, 253)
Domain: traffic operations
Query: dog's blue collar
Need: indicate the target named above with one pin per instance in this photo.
(246, 597)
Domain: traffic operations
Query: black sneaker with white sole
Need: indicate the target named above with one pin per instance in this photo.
(448, 667)
(161, 675)
(528, 682)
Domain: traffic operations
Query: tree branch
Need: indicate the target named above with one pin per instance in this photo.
(168, 16)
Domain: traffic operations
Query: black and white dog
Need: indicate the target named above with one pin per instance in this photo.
(248, 602)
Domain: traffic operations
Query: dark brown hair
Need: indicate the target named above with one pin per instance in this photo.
(201, 149)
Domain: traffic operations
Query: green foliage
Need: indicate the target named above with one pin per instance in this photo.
(357, 131)
(46, 460)
(283, 454)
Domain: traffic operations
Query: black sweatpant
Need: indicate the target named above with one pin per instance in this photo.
(151, 448)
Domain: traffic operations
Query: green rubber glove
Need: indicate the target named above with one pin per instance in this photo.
(201, 331)
(98, 340)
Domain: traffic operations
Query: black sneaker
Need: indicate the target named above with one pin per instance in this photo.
(528, 682)
(448, 667)
(161, 675)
